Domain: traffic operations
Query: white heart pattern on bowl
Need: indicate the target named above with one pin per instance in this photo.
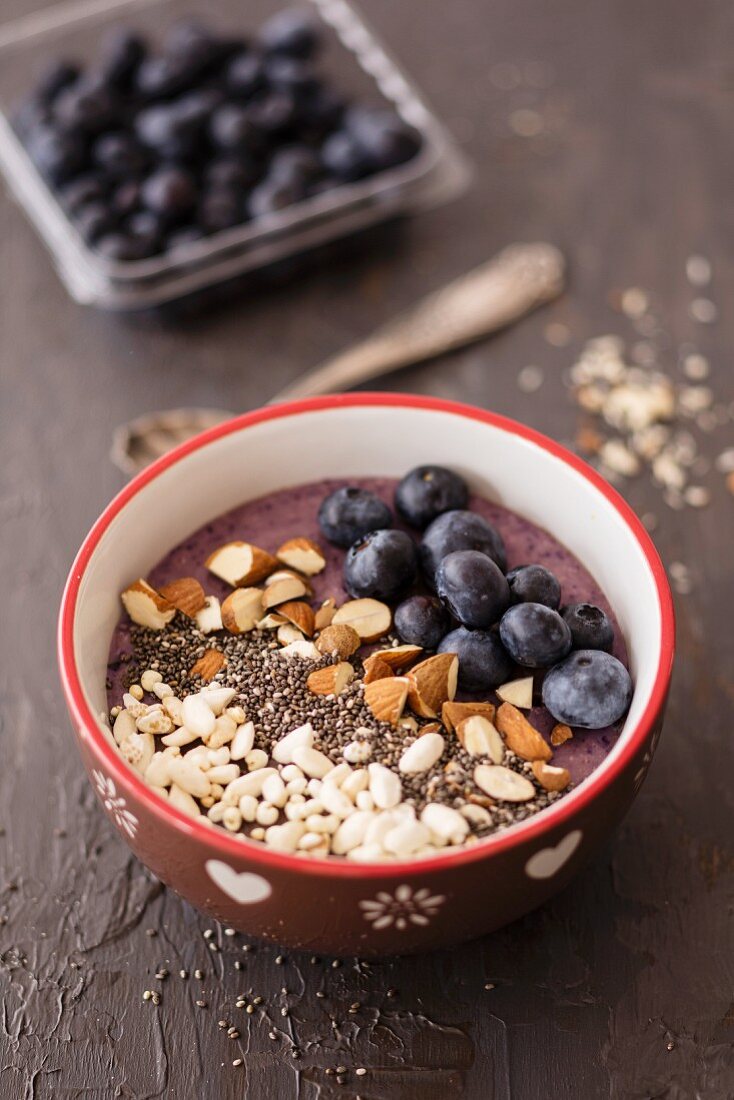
(547, 861)
(241, 886)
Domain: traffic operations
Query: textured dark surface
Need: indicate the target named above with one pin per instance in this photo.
(624, 986)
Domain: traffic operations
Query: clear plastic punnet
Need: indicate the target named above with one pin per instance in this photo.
(352, 58)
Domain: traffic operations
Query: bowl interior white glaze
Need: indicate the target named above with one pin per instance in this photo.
(348, 441)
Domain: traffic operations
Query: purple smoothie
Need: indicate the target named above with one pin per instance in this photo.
(270, 521)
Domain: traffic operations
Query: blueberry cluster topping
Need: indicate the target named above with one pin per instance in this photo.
(149, 147)
(454, 595)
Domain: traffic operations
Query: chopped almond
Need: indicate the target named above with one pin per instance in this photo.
(340, 639)
(284, 589)
(518, 692)
(288, 633)
(370, 618)
(433, 683)
(300, 614)
(398, 656)
(241, 564)
(209, 664)
(209, 618)
(453, 713)
(270, 621)
(303, 555)
(242, 609)
(550, 777)
(386, 698)
(560, 734)
(330, 680)
(375, 669)
(479, 738)
(520, 737)
(146, 607)
(325, 614)
(186, 595)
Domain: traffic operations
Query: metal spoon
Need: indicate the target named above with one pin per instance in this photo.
(492, 296)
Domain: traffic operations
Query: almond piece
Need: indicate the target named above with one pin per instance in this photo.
(284, 590)
(433, 683)
(375, 669)
(271, 620)
(288, 633)
(330, 680)
(209, 618)
(550, 777)
(241, 564)
(430, 727)
(453, 713)
(386, 698)
(300, 614)
(209, 664)
(289, 574)
(341, 639)
(186, 595)
(325, 614)
(370, 618)
(560, 734)
(479, 738)
(503, 783)
(302, 555)
(520, 737)
(398, 656)
(242, 609)
(146, 607)
(518, 692)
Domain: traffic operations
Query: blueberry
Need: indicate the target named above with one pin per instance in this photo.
(32, 115)
(291, 32)
(160, 77)
(57, 76)
(344, 158)
(275, 112)
(422, 620)
(591, 628)
(459, 530)
(121, 54)
(296, 164)
(238, 172)
(119, 155)
(473, 588)
(590, 689)
(127, 197)
(170, 192)
(535, 635)
(174, 130)
(185, 236)
(86, 105)
(534, 584)
(382, 565)
(146, 225)
(245, 74)
(57, 155)
(94, 220)
(124, 246)
(233, 129)
(349, 514)
(272, 195)
(483, 662)
(428, 491)
(220, 208)
(383, 137)
(322, 109)
(82, 190)
(295, 76)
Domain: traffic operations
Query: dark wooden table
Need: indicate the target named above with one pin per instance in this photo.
(623, 986)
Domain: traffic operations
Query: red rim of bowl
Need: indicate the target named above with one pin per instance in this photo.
(226, 845)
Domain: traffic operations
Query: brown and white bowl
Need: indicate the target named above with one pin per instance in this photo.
(333, 905)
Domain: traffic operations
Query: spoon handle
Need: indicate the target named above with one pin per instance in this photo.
(480, 302)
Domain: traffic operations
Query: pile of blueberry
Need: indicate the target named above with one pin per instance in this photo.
(493, 619)
(148, 150)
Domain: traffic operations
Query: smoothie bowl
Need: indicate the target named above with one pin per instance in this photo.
(386, 670)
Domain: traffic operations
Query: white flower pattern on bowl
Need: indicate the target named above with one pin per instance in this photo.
(114, 804)
(402, 908)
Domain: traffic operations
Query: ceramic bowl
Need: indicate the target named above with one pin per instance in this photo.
(333, 905)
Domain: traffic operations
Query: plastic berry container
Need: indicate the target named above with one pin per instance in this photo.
(351, 58)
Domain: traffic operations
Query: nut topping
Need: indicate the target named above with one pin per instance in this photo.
(375, 669)
(550, 777)
(303, 555)
(285, 589)
(340, 639)
(241, 564)
(370, 618)
(518, 692)
(186, 595)
(503, 783)
(386, 698)
(242, 609)
(560, 734)
(146, 607)
(398, 656)
(433, 683)
(520, 737)
(330, 680)
(453, 713)
(300, 614)
(479, 737)
(209, 664)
